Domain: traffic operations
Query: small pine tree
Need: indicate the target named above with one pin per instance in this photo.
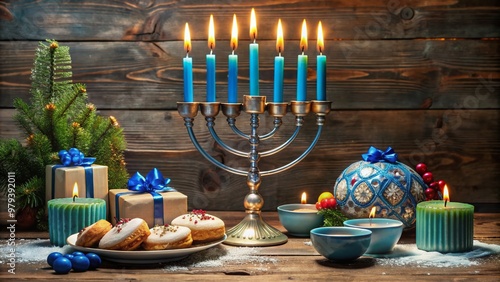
(58, 117)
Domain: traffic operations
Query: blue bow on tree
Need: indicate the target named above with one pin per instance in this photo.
(154, 182)
(375, 155)
(74, 157)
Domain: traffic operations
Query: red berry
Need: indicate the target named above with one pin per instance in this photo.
(434, 185)
(441, 184)
(332, 203)
(324, 204)
(353, 181)
(430, 193)
(421, 168)
(318, 205)
(428, 178)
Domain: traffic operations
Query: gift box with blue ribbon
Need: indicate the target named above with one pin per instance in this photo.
(149, 198)
(60, 179)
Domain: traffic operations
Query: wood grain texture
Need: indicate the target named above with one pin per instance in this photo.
(451, 143)
(379, 74)
(164, 20)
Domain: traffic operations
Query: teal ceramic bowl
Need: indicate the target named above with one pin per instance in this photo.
(385, 232)
(340, 243)
(299, 219)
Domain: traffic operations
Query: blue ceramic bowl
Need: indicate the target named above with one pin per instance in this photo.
(299, 219)
(385, 232)
(340, 243)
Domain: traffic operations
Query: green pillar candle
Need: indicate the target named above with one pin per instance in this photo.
(443, 229)
(67, 217)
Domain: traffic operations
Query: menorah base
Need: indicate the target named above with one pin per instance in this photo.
(253, 231)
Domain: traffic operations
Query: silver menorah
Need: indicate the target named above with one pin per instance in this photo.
(253, 230)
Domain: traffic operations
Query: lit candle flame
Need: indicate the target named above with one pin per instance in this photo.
(303, 37)
(187, 40)
(253, 26)
(446, 195)
(321, 43)
(372, 212)
(280, 44)
(303, 199)
(211, 34)
(75, 191)
(234, 34)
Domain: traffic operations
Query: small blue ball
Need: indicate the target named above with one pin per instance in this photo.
(52, 257)
(78, 254)
(95, 260)
(69, 256)
(80, 263)
(62, 265)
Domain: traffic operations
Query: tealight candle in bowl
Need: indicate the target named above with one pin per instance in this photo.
(70, 215)
(299, 219)
(386, 232)
(444, 226)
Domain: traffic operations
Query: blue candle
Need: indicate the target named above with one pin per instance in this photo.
(211, 62)
(320, 67)
(279, 66)
(187, 64)
(302, 66)
(233, 66)
(254, 57)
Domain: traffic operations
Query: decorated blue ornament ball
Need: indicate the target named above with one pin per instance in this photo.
(94, 259)
(80, 263)
(392, 187)
(62, 265)
(52, 257)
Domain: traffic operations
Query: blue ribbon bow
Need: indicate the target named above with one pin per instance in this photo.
(375, 155)
(73, 157)
(154, 183)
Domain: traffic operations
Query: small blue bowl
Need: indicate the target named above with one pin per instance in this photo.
(385, 232)
(340, 243)
(299, 219)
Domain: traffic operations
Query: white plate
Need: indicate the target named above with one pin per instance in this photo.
(144, 257)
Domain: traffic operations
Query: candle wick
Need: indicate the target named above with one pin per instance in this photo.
(187, 54)
(445, 202)
(211, 51)
(74, 198)
(232, 52)
(279, 54)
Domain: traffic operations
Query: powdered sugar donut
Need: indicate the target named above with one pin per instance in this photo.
(127, 235)
(168, 237)
(91, 235)
(204, 227)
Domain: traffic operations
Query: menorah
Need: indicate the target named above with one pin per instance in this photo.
(253, 230)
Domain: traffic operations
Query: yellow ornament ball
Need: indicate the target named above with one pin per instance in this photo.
(325, 195)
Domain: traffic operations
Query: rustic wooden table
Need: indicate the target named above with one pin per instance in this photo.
(295, 260)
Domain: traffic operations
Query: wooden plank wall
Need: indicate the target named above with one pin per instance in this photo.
(420, 76)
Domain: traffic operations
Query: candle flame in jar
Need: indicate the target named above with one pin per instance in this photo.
(303, 199)
(234, 34)
(75, 191)
(446, 195)
(372, 212)
(303, 37)
(253, 26)
(187, 39)
(321, 43)
(211, 34)
(280, 44)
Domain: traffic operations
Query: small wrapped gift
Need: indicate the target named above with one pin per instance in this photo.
(148, 198)
(92, 180)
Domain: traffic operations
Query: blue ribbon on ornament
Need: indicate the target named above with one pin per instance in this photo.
(154, 183)
(375, 155)
(73, 157)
